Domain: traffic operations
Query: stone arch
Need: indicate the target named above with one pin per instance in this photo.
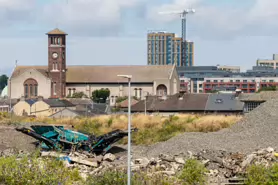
(161, 90)
(30, 88)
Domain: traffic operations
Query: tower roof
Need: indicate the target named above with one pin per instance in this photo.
(56, 31)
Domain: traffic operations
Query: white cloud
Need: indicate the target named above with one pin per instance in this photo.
(88, 11)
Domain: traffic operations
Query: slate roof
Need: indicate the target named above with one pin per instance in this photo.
(259, 97)
(31, 101)
(124, 104)
(7, 102)
(183, 102)
(223, 102)
(58, 103)
(80, 101)
(106, 74)
(150, 103)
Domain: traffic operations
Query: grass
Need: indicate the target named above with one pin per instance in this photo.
(152, 129)
(33, 170)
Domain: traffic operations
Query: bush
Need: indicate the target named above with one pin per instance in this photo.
(193, 173)
(120, 178)
(32, 170)
(259, 174)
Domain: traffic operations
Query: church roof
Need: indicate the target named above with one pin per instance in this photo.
(107, 74)
(21, 69)
(56, 31)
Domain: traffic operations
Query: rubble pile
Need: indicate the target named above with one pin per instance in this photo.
(220, 164)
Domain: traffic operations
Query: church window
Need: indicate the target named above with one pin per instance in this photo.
(30, 88)
(54, 88)
(69, 92)
(59, 41)
(55, 42)
(135, 92)
(36, 90)
(26, 90)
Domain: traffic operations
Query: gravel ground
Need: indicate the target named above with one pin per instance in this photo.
(258, 129)
(10, 138)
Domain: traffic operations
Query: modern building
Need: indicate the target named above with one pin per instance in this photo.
(58, 80)
(189, 61)
(234, 69)
(166, 49)
(273, 63)
(205, 79)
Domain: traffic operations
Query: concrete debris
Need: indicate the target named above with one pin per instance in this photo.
(109, 157)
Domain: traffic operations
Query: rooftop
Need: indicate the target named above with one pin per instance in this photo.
(56, 31)
(96, 74)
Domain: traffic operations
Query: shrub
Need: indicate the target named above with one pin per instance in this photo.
(193, 173)
(32, 170)
(120, 178)
(259, 174)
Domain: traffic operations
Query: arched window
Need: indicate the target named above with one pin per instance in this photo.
(161, 90)
(30, 88)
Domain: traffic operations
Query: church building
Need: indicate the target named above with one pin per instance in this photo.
(57, 80)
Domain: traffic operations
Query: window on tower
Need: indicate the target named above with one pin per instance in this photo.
(54, 88)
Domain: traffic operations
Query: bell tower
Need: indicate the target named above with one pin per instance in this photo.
(57, 62)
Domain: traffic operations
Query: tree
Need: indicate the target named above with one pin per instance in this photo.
(269, 88)
(100, 95)
(78, 95)
(3, 81)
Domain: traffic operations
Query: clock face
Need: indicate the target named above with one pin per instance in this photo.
(55, 55)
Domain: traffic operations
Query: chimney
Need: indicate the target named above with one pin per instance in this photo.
(22, 98)
(40, 98)
(238, 92)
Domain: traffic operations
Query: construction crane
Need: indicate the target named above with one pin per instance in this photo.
(183, 15)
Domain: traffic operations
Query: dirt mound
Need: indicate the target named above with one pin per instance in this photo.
(258, 129)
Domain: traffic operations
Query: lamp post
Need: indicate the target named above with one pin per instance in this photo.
(129, 129)
(146, 94)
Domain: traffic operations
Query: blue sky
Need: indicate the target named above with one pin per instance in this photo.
(113, 32)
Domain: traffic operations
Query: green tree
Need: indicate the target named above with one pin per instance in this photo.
(78, 95)
(100, 95)
(269, 88)
(3, 81)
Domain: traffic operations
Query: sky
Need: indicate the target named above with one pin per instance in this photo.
(114, 32)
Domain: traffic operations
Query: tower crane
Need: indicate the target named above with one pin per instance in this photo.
(183, 15)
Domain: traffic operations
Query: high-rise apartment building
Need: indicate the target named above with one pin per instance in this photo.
(166, 49)
(189, 60)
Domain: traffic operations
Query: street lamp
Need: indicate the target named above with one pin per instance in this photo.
(129, 129)
(147, 93)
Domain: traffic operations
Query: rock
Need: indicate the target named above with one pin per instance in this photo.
(270, 150)
(97, 159)
(179, 160)
(52, 154)
(142, 162)
(170, 173)
(109, 157)
(248, 160)
(85, 162)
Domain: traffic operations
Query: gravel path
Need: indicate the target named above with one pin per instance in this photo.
(258, 129)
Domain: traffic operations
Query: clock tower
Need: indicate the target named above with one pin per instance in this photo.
(57, 62)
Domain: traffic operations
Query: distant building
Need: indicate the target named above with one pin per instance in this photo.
(273, 63)
(205, 79)
(166, 49)
(234, 69)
